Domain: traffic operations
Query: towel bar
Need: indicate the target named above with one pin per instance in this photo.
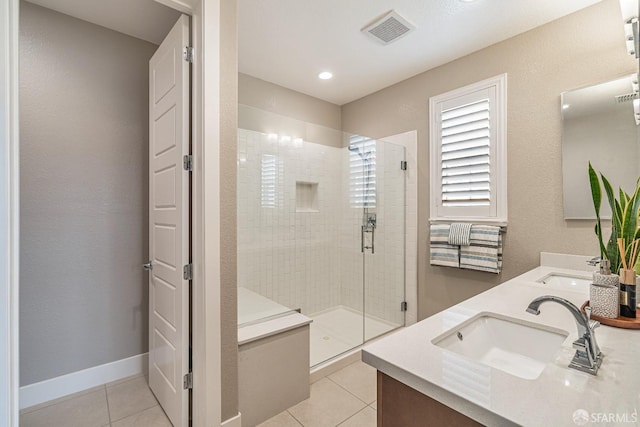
(503, 228)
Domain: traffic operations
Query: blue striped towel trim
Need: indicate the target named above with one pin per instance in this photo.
(485, 234)
(485, 251)
(440, 252)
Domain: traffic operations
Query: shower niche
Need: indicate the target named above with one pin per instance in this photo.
(306, 196)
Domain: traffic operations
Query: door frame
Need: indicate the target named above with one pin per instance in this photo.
(206, 108)
(9, 213)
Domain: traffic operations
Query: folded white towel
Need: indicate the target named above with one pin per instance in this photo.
(460, 234)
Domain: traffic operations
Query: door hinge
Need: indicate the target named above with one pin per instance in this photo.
(187, 272)
(187, 162)
(187, 381)
(187, 53)
(403, 165)
(403, 306)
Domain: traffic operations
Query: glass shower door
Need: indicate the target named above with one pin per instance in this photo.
(383, 250)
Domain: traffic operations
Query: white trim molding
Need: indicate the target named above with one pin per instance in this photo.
(187, 7)
(206, 399)
(9, 213)
(75, 382)
(233, 422)
(493, 90)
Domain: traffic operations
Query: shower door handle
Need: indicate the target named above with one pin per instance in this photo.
(367, 229)
(373, 240)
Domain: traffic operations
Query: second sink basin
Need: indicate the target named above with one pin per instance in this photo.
(565, 280)
(517, 347)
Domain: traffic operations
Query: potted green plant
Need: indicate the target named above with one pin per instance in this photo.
(621, 249)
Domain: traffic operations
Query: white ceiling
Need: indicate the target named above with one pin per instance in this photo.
(143, 19)
(288, 42)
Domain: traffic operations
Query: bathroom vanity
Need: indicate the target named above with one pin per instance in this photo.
(429, 375)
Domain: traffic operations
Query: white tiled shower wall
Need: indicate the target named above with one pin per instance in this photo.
(284, 255)
(312, 260)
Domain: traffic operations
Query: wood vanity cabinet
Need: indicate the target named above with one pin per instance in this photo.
(401, 406)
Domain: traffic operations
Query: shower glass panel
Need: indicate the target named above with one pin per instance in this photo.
(384, 243)
(303, 211)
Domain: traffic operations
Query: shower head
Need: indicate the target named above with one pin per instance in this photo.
(356, 149)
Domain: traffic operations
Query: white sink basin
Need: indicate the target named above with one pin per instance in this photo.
(517, 347)
(565, 280)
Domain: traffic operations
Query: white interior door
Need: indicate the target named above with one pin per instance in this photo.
(169, 223)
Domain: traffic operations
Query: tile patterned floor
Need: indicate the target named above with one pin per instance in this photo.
(124, 403)
(346, 398)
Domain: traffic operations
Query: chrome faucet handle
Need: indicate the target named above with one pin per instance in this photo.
(581, 345)
(591, 323)
(594, 261)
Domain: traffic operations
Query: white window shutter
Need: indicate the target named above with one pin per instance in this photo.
(468, 153)
(362, 172)
(268, 172)
(465, 158)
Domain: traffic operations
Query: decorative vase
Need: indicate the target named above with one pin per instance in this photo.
(604, 300)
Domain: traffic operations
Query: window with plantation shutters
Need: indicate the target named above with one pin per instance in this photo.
(362, 172)
(268, 175)
(468, 153)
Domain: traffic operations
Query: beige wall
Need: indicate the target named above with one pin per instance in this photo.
(581, 49)
(228, 215)
(84, 194)
(286, 102)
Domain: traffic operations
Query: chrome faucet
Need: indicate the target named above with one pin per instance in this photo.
(594, 261)
(588, 356)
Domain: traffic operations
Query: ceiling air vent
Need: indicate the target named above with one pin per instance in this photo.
(626, 98)
(388, 28)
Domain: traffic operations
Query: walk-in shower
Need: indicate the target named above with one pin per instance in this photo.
(321, 230)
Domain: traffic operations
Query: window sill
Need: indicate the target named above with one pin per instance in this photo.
(500, 222)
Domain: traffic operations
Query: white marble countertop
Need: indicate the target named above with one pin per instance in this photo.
(493, 397)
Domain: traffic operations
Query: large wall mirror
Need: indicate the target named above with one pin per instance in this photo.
(599, 126)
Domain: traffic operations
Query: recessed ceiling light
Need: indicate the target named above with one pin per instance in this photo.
(565, 106)
(325, 75)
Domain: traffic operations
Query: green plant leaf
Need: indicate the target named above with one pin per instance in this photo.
(613, 252)
(624, 198)
(616, 212)
(631, 225)
(596, 190)
(596, 195)
(630, 219)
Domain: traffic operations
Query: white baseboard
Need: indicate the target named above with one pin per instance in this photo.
(233, 422)
(34, 394)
